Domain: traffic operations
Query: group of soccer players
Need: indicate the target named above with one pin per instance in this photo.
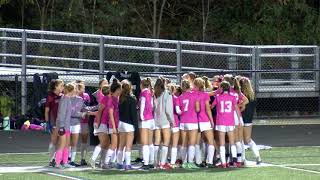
(199, 123)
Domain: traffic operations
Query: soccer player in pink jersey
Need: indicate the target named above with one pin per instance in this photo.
(226, 106)
(100, 126)
(188, 124)
(113, 121)
(175, 132)
(147, 124)
(205, 119)
(242, 100)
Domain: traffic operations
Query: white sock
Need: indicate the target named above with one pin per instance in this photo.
(96, 153)
(128, 158)
(164, 155)
(155, 156)
(145, 154)
(52, 150)
(254, 148)
(243, 153)
(114, 156)
(239, 151)
(73, 153)
(233, 151)
(191, 151)
(174, 152)
(198, 154)
(223, 154)
(120, 157)
(210, 154)
(83, 149)
(108, 156)
(151, 154)
(204, 151)
(103, 156)
(183, 154)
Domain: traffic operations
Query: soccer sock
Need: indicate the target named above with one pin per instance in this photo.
(228, 152)
(173, 158)
(210, 154)
(183, 154)
(58, 157)
(179, 152)
(120, 157)
(83, 149)
(254, 148)
(65, 155)
(108, 156)
(204, 151)
(164, 154)
(51, 149)
(73, 153)
(233, 151)
(239, 151)
(146, 154)
(191, 151)
(198, 154)
(103, 156)
(223, 154)
(114, 156)
(156, 155)
(151, 154)
(96, 153)
(243, 153)
(128, 158)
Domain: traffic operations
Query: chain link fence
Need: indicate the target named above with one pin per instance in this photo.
(285, 78)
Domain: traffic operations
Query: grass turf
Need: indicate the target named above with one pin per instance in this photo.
(290, 157)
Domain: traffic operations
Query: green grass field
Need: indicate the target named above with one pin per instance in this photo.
(285, 163)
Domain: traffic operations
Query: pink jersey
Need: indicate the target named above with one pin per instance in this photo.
(99, 96)
(202, 115)
(188, 107)
(225, 104)
(176, 102)
(107, 102)
(148, 108)
(86, 98)
(115, 107)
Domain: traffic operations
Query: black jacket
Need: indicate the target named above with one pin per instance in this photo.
(128, 111)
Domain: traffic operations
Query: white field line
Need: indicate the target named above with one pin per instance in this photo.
(24, 153)
(63, 176)
(297, 169)
(37, 169)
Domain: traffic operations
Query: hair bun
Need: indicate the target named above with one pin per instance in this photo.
(115, 81)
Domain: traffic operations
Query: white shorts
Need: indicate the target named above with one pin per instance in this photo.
(125, 127)
(241, 121)
(102, 129)
(247, 124)
(205, 126)
(75, 129)
(167, 126)
(223, 128)
(84, 128)
(189, 126)
(110, 131)
(236, 119)
(149, 124)
(175, 129)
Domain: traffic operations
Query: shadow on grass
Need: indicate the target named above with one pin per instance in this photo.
(159, 172)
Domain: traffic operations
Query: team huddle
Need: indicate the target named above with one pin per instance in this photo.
(196, 124)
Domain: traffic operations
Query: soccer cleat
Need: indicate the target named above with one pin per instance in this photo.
(59, 166)
(74, 164)
(52, 164)
(211, 166)
(128, 167)
(185, 165)
(106, 166)
(138, 160)
(151, 166)
(179, 161)
(83, 162)
(67, 166)
(119, 166)
(145, 167)
(224, 166)
(258, 160)
(193, 166)
(165, 167)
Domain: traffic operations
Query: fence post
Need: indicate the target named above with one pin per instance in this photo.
(294, 64)
(179, 57)
(254, 62)
(156, 57)
(317, 66)
(232, 60)
(23, 73)
(81, 53)
(4, 47)
(101, 57)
